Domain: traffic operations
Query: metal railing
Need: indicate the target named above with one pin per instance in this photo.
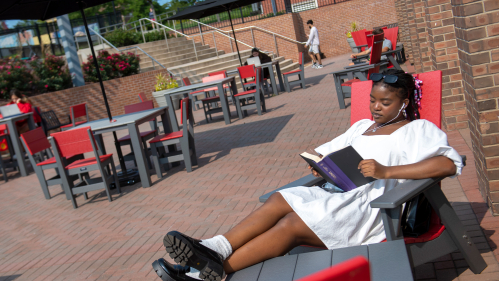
(251, 28)
(153, 60)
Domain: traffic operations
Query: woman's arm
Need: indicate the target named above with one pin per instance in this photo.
(438, 166)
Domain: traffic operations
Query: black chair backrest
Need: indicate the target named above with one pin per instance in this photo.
(50, 121)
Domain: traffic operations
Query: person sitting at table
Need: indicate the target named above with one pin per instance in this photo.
(395, 146)
(264, 58)
(387, 46)
(25, 106)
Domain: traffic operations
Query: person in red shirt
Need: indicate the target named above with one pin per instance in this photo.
(25, 106)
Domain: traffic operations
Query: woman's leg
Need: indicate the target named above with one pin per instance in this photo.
(259, 221)
(288, 233)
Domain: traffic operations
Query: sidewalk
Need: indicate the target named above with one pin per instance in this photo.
(49, 240)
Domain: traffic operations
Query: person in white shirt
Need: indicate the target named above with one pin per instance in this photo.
(313, 42)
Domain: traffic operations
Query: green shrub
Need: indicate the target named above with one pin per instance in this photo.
(156, 35)
(52, 74)
(111, 66)
(120, 37)
(15, 74)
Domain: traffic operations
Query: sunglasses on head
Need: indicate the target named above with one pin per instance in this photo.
(390, 79)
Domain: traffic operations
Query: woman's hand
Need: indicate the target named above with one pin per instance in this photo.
(314, 172)
(353, 56)
(371, 168)
(18, 100)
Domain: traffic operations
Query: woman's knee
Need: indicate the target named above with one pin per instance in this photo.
(292, 224)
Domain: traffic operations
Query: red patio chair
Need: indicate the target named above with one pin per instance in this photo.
(255, 95)
(144, 136)
(211, 99)
(35, 144)
(391, 55)
(301, 76)
(446, 233)
(76, 142)
(76, 111)
(195, 94)
(5, 144)
(354, 269)
(360, 39)
(184, 137)
(362, 72)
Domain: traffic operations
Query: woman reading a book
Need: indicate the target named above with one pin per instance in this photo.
(395, 146)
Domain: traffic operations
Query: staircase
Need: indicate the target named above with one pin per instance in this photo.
(181, 52)
(198, 69)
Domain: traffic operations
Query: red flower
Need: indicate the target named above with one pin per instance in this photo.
(8, 73)
(46, 86)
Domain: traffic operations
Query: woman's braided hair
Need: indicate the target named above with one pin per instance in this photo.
(405, 87)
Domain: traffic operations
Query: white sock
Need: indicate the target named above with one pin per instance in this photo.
(193, 274)
(219, 244)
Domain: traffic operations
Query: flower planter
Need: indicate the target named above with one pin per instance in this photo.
(352, 45)
(161, 99)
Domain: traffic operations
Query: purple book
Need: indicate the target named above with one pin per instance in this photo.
(339, 168)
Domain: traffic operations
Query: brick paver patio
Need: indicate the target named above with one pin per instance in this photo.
(49, 240)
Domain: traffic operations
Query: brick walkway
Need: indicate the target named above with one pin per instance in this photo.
(48, 240)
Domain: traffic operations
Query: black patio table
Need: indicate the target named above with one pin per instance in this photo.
(185, 90)
(131, 123)
(14, 136)
(269, 66)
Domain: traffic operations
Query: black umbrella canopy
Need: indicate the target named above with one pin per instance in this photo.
(210, 7)
(41, 9)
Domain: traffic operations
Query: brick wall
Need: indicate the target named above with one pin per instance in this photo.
(331, 21)
(404, 35)
(443, 48)
(120, 92)
(477, 30)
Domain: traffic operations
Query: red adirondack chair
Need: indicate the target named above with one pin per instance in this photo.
(361, 71)
(359, 37)
(354, 269)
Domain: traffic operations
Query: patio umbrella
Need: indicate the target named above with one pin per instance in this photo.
(46, 9)
(210, 7)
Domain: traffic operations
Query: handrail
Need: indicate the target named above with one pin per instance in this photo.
(133, 47)
(250, 27)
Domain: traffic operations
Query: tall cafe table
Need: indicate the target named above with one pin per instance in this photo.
(131, 123)
(270, 67)
(14, 137)
(185, 90)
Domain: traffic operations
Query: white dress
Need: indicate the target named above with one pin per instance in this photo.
(346, 219)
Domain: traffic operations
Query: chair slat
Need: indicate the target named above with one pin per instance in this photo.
(141, 106)
(359, 104)
(309, 263)
(79, 110)
(73, 142)
(389, 257)
(248, 274)
(247, 71)
(35, 140)
(431, 102)
(343, 254)
(280, 268)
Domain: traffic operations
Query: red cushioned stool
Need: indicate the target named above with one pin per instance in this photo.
(76, 111)
(184, 137)
(79, 141)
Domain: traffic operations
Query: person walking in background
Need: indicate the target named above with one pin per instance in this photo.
(313, 42)
(151, 17)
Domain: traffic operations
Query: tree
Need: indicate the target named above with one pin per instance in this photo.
(173, 5)
(25, 23)
(139, 8)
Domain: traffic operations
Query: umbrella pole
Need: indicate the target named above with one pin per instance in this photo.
(118, 150)
(95, 61)
(237, 47)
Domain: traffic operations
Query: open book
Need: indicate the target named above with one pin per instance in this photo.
(339, 168)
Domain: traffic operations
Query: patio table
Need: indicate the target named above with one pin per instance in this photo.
(269, 66)
(14, 136)
(131, 123)
(185, 90)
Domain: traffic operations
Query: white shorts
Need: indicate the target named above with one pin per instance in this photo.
(313, 49)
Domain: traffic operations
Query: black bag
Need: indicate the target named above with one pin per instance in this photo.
(416, 217)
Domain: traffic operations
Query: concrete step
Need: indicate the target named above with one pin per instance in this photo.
(161, 54)
(186, 68)
(184, 61)
(172, 47)
(174, 61)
